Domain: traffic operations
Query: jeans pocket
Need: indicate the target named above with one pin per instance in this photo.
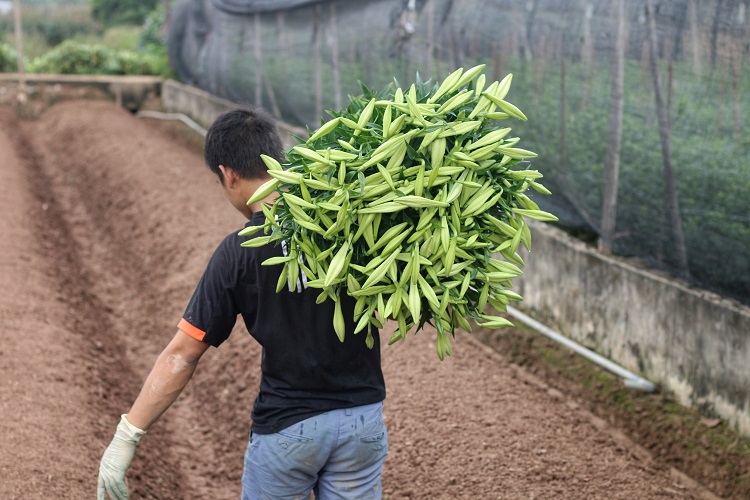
(377, 442)
(290, 437)
(297, 440)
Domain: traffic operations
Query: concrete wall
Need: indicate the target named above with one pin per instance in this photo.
(203, 107)
(689, 341)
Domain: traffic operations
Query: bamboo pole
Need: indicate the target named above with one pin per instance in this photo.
(612, 174)
(664, 135)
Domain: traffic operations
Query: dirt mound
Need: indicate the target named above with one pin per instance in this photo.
(132, 217)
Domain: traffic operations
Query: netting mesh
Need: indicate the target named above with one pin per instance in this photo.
(684, 160)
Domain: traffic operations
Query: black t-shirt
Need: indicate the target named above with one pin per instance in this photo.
(306, 370)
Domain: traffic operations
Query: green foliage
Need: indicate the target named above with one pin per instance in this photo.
(153, 34)
(74, 58)
(8, 59)
(709, 161)
(112, 12)
(122, 37)
(55, 23)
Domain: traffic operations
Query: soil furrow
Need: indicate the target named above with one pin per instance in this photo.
(107, 377)
(141, 218)
(127, 197)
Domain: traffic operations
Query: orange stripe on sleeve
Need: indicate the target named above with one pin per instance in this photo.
(191, 330)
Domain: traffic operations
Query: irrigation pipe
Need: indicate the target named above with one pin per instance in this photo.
(631, 379)
(173, 116)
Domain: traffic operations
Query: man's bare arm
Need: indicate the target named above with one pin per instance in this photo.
(169, 376)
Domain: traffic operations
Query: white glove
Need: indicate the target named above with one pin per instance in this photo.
(116, 460)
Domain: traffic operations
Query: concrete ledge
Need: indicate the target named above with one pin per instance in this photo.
(81, 79)
(692, 342)
(128, 91)
(203, 107)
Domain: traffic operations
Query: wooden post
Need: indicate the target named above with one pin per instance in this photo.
(261, 78)
(430, 12)
(645, 86)
(258, 61)
(695, 38)
(720, 105)
(736, 96)
(335, 72)
(317, 61)
(612, 173)
(165, 10)
(715, 34)
(587, 49)
(283, 40)
(531, 6)
(563, 153)
(497, 63)
(587, 52)
(738, 39)
(538, 70)
(664, 135)
(21, 96)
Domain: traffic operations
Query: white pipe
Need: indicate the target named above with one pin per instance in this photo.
(630, 379)
(174, 116)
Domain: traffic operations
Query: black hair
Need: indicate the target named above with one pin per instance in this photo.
(236, 140)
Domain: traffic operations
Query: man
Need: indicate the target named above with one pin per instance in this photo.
(317, 422)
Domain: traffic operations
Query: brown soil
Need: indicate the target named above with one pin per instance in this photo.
(691, 440)
(108, 223)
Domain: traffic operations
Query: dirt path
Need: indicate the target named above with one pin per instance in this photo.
(94, 285)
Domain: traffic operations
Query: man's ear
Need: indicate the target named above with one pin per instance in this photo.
(230, 176)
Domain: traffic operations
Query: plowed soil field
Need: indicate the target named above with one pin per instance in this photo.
(106, 223)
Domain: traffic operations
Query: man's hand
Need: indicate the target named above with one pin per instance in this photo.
(171, 372)
(116, 461)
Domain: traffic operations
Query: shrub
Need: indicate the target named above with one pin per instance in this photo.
(8, 59)
(74, 58)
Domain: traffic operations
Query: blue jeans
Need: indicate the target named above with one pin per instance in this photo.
(336, 455)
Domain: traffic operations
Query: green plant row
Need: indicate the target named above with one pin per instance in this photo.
(73, 58)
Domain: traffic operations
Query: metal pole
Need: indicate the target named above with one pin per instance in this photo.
(19, 48)
(631, 379)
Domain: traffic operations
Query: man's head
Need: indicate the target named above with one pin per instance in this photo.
(232, 151)
(236, 140)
